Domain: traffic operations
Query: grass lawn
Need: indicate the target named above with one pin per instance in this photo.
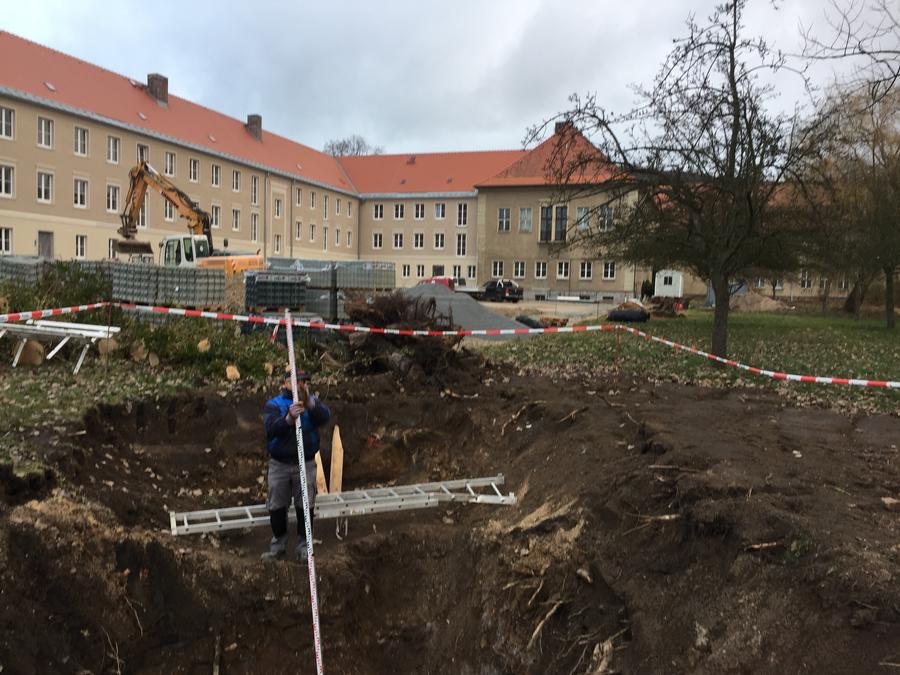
(801, 344)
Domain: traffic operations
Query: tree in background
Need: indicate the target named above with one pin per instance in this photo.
(351, 146)
(704, 177)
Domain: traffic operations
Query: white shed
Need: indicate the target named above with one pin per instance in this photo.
(669, 284)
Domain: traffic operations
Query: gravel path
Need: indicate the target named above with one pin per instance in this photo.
(467, 313)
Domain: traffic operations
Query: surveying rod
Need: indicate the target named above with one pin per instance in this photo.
(307, 521)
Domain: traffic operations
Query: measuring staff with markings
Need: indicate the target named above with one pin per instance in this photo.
(283, 476)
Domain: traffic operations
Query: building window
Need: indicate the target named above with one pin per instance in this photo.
(609, 271)
(236, 219)
(518, 269)
(337, 236)
(418, 240)
(439, 241)
(324, 237)
(277, 244)
(44, 187)
(398, 240)
(111, 249)
(462, 215)
(312, 231)
(168, 211)
(215, 175)
(405, 270)
(562, 269)
(562, 222)
(503, 220)
(81, 141)
(142, 214)
(605, 215)
(440, 211)
(496, 268)
(586, 271)
(7, 180)
(843, 284)
(420, 271)
(7, 122)
(337, 206)
(312, 199)
(457, 271)
(112, 198)
(254, 227)
(276, 208)
(5, 240)
(668, 280)
(460, 244)
(170, 164)
(805, 279)
(215, 215)
(349, 239)
(420, 211)
(377, 240)
(193, 170)
(298, 230)
(80, 245)
(45, 132)
(378, 211)
(81, 193)
(254, 190)
(349, 209)
(546, 224)
(112, 149)
(398, 211)
(325, 207)
(582, 224)
(143, 153)
(235, 180)
(540, 269)
(470, 271)
(525, 219)
(823, 283)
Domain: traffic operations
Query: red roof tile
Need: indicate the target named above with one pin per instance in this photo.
(89, 88)
(426, 173)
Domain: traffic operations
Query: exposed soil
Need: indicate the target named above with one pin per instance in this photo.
(668, 529)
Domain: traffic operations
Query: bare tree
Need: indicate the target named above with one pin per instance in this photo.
(351, 146)
(704, 176)
(866, 31)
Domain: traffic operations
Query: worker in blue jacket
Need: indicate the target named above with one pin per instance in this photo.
(284, 469)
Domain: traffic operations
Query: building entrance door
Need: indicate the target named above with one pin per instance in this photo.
(45, 244)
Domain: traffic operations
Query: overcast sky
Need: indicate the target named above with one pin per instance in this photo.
(410, 75)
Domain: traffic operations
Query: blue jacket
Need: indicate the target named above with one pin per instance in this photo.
(281, 437)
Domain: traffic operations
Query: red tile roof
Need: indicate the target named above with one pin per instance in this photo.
(426, 173)
(52, 77)
(567, 155)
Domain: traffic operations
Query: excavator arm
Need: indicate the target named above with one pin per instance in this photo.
(143, 176)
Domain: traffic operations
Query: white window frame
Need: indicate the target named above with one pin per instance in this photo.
(397, 240)
(141, 156)
(405, 270)
(235, 180)
(277, 207)
(418, 240)
(585, 270)
(7, 123)
(215, 175)
(377, 211)
(254, 226)
(462, 214)
(324, 237)
(45, 132)
(85, 184)
(6, 235)
(503, 219)
(215, 215)
(111, 249)
(349, 208)
(496, 269)
(143, 215)
(440, 210)
(805, 279)
(254, 190)
(80, 246)
(81, 148)
(419, 211)
(276, 247)
(399, 210)
(298, 196)
(518, 269)
(582, 219)
(457, 271)
(298, 230)
(312, 199)
(606, 218)
(420, 271)
(377, 240)
(194, 170)
(113, 149)
(439, 244)
(48, 199)
(349, 238)
(337, 236)
(540, 269)
(462, 251)
(235, 220)
(337, 206)
(562, 269)
(168, 211)
(609, 270)
(526, 225)
(312, 231)
(169, 165)
(325, 206)
(471, 272)
(8, 171)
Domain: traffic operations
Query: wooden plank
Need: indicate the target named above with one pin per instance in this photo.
(337, 461)
(321, 487)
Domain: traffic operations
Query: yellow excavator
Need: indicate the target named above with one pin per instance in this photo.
(192, 250)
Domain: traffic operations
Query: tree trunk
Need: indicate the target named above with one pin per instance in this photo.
(853, 304)
(720, 318)
(890, 315)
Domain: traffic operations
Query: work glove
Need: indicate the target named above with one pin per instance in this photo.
(295, 410)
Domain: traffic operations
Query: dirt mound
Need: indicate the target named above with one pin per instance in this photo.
(671, 529)
(755, 302)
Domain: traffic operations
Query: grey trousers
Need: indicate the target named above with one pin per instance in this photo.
(284, 484)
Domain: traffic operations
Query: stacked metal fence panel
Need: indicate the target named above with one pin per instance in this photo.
(22, 270)
(275, 289)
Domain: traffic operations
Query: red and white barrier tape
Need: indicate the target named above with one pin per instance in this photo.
(41, 313)
(317, 325)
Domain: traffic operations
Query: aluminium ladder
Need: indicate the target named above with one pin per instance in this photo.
(352, 503)
(49, 330)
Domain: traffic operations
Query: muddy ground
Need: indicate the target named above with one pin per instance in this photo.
(662, 529)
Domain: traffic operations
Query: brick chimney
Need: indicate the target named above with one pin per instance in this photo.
(563, 126)
(158, 88)
(254, 126)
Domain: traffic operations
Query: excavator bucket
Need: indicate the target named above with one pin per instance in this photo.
(130, 247)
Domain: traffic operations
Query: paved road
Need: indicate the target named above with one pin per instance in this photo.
(467, 313)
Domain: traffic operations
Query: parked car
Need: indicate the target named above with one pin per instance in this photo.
(461, 287)
(444, 281)
(502, 289)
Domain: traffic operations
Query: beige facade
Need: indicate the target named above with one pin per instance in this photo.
(65, 180)
(424, 236)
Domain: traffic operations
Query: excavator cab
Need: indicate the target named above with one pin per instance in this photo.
(184, 251)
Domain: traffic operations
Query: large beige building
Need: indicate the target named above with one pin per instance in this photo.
(71, 131)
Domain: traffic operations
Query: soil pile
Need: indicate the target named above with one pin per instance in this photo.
(665, 529)
(755, 302)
